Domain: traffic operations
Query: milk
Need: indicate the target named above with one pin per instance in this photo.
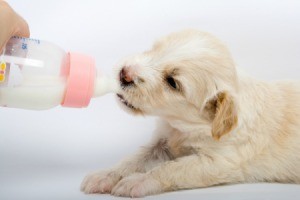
(27, 98)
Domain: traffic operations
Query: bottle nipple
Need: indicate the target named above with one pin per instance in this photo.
(104, 85)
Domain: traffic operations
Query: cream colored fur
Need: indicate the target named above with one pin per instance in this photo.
(216, 127)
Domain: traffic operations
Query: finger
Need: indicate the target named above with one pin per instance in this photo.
(22, 29)
(4, 37)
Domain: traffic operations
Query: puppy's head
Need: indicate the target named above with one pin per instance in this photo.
(187, 76)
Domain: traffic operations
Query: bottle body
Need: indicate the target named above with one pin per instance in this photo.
(39, 75)
(33, 74)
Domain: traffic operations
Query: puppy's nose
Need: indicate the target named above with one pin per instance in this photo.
(125, 77)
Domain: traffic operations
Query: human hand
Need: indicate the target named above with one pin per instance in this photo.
(11, 24)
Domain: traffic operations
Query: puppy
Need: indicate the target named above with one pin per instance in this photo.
(215, 126)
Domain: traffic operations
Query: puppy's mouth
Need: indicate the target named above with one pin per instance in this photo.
(125, 102)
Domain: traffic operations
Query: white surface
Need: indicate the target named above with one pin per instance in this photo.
(45, 154)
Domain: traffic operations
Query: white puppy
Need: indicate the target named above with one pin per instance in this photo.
(216, 127)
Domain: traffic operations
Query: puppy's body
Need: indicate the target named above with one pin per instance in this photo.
(215, 126)
(268, 131)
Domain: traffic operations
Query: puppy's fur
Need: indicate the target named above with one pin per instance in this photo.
(215, 127)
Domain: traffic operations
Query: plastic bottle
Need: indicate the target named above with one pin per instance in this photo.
(39, 75)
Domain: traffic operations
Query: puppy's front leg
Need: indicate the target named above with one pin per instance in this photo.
(146, 159)
(184, 173)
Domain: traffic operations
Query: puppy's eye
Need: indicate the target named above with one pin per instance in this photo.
(172, 82)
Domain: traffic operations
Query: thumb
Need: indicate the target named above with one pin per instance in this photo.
(22, 29)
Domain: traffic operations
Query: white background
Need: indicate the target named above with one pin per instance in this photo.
(45, 154)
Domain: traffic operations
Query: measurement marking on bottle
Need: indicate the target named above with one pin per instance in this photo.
(27, 39)
(24, 46)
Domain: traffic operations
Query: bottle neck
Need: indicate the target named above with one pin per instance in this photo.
(81, 79)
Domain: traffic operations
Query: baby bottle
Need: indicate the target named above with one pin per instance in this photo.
(38, 75)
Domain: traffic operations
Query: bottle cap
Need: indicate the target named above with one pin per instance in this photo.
(81, 71)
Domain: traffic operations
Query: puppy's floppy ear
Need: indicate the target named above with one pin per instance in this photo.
(224, 114)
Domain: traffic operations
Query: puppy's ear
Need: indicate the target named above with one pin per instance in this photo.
(223, 113)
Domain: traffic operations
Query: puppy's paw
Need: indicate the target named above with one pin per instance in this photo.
(100, 182)
(137, 185)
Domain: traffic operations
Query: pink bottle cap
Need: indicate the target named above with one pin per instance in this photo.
(81, 72)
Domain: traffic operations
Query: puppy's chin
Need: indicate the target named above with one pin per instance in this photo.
(125, 105)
